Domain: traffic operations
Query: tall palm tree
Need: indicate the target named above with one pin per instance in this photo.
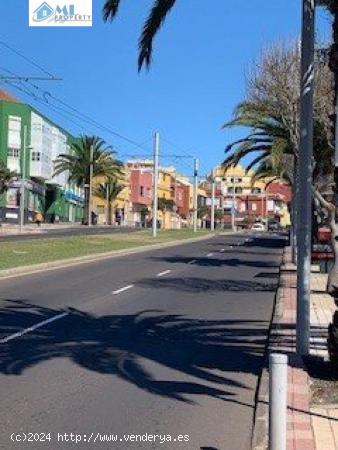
(77, 164)
(153, 23)
(6, 175)
(109, 191)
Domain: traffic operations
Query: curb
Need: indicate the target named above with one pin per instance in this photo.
(260, 432)
(61, 264)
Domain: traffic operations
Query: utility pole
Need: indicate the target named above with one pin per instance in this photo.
(233, 209)
(155, 181)
(212, 217)
(23, 180)
(107, 202)
(196, 163)
(90, 185)
(305, 179)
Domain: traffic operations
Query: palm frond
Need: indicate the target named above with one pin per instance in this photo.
(156, 18)
(110, 9)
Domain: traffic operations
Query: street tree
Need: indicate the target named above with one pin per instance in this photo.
(6, 175)
(109, 191)
(77, 164)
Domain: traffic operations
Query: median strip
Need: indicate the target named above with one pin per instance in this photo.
(125, 288)
(33, 328)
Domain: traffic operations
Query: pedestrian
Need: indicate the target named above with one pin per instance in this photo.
(38, 218)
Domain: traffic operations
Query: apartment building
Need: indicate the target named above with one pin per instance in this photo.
(29, 144)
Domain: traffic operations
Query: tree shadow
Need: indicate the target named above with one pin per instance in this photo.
(198, 285)
(208, 352)
(215, 262)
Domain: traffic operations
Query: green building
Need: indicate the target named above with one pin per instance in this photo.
(29, 144)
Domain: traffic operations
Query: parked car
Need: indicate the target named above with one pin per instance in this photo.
(274, 226)
(258, 227)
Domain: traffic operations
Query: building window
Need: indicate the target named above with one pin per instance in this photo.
(13, 153)
(142, 191)
(36, 156)
(254, 207)
(14, 132)
(238, 190)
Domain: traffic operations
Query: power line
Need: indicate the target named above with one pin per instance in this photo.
(29, 60)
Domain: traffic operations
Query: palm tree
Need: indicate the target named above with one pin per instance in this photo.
(6, 175)
(153, 23)
(109, 191)
(270, 143)
(77, 164)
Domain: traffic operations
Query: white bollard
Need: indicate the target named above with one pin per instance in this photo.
(278, 383)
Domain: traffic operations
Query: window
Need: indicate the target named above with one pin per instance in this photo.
(14, 132)
(142, 191)
(238, 190)
(13, 153)
(36, 156)
(254, 207)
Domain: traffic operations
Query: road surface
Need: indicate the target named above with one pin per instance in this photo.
(164, 346)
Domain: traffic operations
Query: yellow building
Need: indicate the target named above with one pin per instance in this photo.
(237, 177)
(119, 208)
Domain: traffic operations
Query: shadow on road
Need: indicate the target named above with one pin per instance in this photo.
(215, 262)
(207, 353)
(197, 285)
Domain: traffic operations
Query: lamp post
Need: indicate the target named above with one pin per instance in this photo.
(305, 179)
(155, 181)
(25, 147)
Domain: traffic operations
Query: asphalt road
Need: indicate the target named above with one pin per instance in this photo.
(66, 232)
(168, 342)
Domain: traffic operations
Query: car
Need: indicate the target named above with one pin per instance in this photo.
(274, 226)
(258, 227)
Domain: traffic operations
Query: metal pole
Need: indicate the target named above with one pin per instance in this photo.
(90, 185)
(155, 181)
(196, 163)
(233, 209)
(278, 380)
(23, 179)
(305, 179)
(212, 217)
(107, 202)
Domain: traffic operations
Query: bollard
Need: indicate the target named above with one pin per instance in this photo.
(278, 382)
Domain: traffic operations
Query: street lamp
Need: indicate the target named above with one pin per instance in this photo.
(23, 178)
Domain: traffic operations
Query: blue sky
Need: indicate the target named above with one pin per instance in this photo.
(196, 78)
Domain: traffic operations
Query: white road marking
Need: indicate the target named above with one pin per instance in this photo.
(165, 272)
(192, 261)
(125, 288)
(209, 254)
(33, 328)
(222, 250)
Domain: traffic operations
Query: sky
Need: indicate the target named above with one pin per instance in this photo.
(196, 79)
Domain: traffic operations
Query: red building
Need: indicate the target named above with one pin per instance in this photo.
(180, 194)
(141, 187)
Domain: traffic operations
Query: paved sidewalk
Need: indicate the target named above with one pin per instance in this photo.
(308, 428)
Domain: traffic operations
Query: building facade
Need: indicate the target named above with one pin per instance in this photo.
(29, 144)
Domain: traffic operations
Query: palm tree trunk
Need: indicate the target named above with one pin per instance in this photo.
(110, 213)
(86, 206)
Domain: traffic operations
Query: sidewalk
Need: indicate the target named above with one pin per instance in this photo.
(308, 428)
